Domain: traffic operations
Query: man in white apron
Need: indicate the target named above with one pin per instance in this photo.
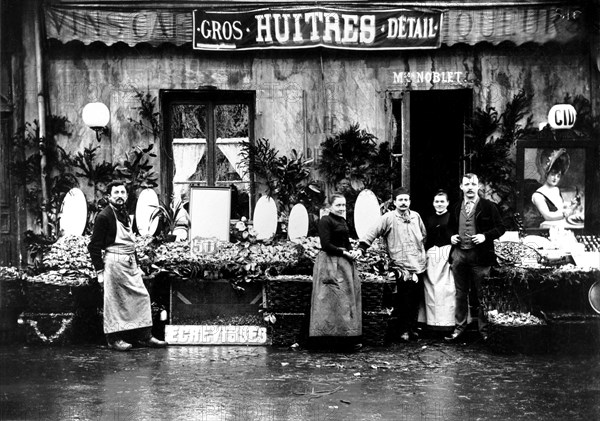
(127, 312)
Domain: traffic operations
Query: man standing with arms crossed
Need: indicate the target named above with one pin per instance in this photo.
(475, 224)
(127, 312)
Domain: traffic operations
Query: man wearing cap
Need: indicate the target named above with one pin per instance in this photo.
(127, 312)
(475, 224)
(405, 235)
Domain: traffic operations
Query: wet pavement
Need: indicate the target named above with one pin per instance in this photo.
(424, 380)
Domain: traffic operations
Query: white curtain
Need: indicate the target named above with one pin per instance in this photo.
(187, 153)
(231, 148)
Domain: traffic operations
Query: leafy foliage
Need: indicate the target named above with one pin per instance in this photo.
(137, 171)
(347, 156)
(149, 121)
(58, 178)
(586, 125)
(490, 138)
(97, 175)
(170, 216)
(286, 178)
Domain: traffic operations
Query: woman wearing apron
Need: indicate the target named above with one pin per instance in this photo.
(336, 307)
(439, 282)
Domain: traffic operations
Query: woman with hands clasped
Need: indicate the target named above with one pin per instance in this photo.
(336, 307)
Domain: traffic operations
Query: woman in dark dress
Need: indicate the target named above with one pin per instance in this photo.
(439, 282)
(336, 308)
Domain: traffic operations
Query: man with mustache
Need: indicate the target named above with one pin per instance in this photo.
(127, 312)
(405, 236)
(475, 224)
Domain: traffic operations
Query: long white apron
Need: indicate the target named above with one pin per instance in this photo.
(126, 299)
(440, 300)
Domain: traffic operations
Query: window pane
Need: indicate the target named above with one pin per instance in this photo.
(188, 132)
(188, 121)
(231, 121)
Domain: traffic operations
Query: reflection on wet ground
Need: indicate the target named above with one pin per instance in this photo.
(418, 381)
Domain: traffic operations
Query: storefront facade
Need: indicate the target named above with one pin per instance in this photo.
(414, 86)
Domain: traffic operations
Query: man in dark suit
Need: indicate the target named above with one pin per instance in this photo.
(127, 313)
(475, 224)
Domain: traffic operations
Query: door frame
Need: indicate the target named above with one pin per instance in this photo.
(403, 129)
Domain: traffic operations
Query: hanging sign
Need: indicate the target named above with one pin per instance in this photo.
(317, 27)
(362, 28)
(562, 116)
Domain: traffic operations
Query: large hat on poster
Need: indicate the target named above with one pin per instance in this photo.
(553, 160)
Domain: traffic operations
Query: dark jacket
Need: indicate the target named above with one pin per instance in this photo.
(104, 234)
(487, 222)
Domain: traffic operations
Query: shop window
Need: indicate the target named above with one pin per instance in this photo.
(205, 131)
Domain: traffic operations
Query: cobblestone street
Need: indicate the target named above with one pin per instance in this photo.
(426, 380)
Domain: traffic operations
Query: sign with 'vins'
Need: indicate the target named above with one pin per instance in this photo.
(317, 27)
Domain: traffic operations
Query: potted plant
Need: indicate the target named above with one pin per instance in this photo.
(171, 217)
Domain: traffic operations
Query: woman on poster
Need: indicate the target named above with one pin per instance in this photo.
(548, 199)
(336, 307)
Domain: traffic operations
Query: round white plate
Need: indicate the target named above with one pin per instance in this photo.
(366, 212)
(594, 296)
(298, 222)
(144, 209)
(73, 213)
(265, 218)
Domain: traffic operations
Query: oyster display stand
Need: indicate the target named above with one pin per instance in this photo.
(558, 297)
(288, 299)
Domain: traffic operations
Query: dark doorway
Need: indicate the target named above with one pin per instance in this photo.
(436, 144)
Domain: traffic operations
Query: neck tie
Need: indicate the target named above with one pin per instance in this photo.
(469, 207)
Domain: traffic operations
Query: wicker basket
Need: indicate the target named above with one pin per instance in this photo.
(44, 297)
(376, 326)
(575, 335)
(289, 294)
(289, 328)
(375, 293)
(11, 293)
(526, 339)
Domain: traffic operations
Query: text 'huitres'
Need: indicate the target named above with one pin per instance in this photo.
(318, 27)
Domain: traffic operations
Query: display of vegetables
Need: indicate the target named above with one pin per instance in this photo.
(9, 273)
(63, 277)
(513, 318)
(69, 252)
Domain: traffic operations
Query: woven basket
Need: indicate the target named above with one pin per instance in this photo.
(288, 294)
(575, 336)
(375, 327)
(527, 339)
(375, 293)
(289, 328)
(44, 297)
(11, 293)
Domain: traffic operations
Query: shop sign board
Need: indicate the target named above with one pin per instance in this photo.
(317, 27)
(562, 116)
(215, 335)
(416, 77)
(360, 28)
